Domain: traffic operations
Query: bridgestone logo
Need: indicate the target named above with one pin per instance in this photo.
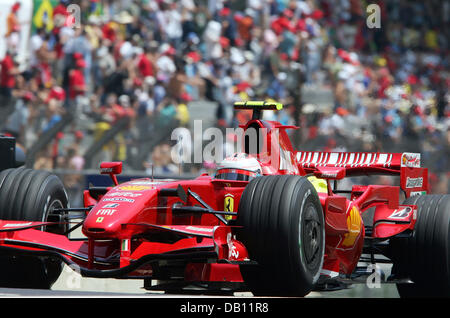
(414, 182)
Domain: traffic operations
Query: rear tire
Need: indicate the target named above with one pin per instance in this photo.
(283, 230)
(425, 256)
(30, 195)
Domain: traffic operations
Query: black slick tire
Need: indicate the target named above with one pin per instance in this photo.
(30, 195)
(424, 257)
(282, 226)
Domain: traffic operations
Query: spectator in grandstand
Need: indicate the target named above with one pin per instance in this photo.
(9, 71)
(164, 54)
(18, 120)
(79, 44)
(13, 28)
(77, 81)
(160, 162)
(73, 162)
(145, 63)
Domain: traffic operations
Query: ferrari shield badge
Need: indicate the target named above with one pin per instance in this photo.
(228, 205)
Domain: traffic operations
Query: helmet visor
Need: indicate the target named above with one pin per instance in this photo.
(235, 175)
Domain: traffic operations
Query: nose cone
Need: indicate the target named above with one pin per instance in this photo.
(121, 205)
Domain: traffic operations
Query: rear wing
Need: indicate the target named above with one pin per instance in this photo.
(337, 165)
(257, 107)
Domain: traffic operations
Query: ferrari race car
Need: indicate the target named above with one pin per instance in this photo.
(272, 220)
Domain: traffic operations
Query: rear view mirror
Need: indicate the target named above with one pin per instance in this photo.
(111, 168)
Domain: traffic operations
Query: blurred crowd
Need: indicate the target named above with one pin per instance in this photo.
(146, 60)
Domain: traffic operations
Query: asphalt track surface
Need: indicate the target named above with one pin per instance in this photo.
(15, 292)
(71, 284)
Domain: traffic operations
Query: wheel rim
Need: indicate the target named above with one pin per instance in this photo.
(52, 217)
(311, 236)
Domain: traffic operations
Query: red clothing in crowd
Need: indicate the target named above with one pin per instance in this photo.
(115, 112)
(384, 83)
(145, 66)
(59, 12)
(244, 27)
(6, 78)
(283, 23)
(109, 32)
(45, 74)
(76, 83)
(57, 93)
(60, 9)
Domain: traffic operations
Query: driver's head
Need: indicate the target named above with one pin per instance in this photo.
(239, 167)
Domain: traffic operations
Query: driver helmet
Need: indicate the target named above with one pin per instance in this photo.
(239, 167)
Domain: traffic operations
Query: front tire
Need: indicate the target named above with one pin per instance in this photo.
(30, 195)
(425, 256)
(283, 230)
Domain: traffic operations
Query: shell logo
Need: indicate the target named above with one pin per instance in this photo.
(354, 227)
(135, 187)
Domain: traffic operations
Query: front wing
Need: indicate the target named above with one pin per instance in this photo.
(126, 258)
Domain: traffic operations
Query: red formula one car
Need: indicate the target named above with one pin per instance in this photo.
(271, 218)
